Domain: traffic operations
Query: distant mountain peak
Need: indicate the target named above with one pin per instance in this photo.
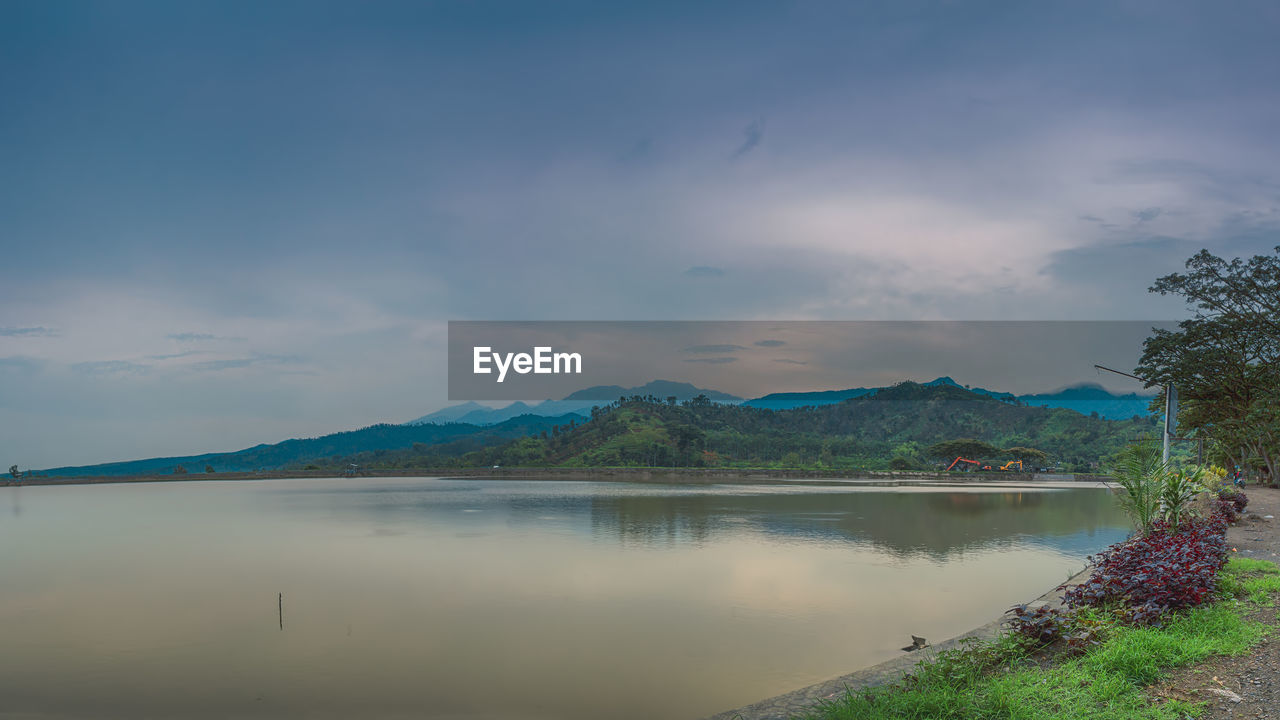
(1086, 398)
(658, 388)
(575, 403)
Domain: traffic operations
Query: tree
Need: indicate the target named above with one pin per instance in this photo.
(208, 469)
(13, 470)
(688, 437)
(1028, 455)
(964, 447)
(179, 470)
(1225, 360)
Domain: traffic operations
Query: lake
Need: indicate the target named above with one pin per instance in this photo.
(465, 598)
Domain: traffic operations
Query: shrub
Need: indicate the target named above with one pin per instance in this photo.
(901, 463)
(1235, 497)
(1213, 478)
(1042, 625)
(1160, 571)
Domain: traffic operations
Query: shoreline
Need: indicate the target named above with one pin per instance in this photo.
(1253, 526)
(790, 704)
(652, 475)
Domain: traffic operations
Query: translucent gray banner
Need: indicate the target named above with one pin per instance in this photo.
(520, 360)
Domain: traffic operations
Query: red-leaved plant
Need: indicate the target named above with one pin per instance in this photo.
(1158, 571)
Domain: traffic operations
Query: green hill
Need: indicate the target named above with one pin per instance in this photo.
(895, 425)
(322, 450)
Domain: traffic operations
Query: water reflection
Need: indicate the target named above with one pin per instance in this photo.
(905, 524)
(484, 599)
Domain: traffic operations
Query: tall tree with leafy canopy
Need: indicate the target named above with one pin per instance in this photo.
(1225, 360)
(964, 447)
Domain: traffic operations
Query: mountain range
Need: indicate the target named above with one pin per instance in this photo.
(470, 427)
(891, 428)
(578, 403)
(297, 452)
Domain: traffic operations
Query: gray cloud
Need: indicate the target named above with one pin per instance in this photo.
(754, 133)
(244, 362)
(111, 367)
(27, 332)
(1209, 179)
(789, 361)
(21, 363)
(713, 349)
(639, 151)
(473, 202)
(712, 360)
(770, 343)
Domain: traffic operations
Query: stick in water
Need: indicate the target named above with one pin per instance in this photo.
(281, 606)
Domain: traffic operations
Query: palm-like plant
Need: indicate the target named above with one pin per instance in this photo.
(1177, 491)
(1140, 471)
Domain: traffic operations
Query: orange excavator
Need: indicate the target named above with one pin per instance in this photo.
(967, 465)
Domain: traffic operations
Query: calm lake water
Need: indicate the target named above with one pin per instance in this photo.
(441, 598)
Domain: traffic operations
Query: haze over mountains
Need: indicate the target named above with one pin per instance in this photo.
(579, 402)
(1085, 398)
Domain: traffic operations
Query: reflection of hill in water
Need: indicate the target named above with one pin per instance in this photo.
(933, 524)
(900, 522)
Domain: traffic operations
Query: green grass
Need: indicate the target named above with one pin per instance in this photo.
(1246, 566)
(998, 680)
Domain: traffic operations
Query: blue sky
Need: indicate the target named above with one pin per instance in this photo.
(226, 223)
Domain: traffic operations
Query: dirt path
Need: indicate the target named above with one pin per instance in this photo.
(1253, 678)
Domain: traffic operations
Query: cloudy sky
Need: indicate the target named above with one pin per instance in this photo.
(226, 223)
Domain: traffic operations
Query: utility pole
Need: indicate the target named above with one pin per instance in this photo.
(1170, 409)
(1170, 418)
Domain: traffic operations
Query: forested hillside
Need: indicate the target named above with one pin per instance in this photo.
(892, 428)
(303, 451)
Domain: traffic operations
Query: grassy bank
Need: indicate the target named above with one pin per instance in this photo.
(1102, 677)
